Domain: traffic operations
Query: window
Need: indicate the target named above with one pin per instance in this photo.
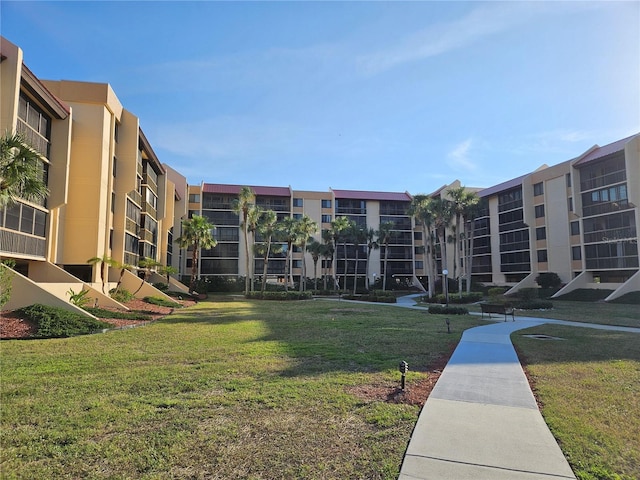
(419, 264)
(152, 200)
(576, 253)
(113, 201)
(115, 167)
(539, 211)
(326, 218)
(542, 256)
(538, 189)
(116, 131)
(570, 204)
(297, 216)
(541, 233)
(417, 235)
(326, 203)
(194, 198)
(297, 202)
(575, 228)
(297, 264)
(568, 179)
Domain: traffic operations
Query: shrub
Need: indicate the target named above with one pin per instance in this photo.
(456, 299)
(291, 295)
(495, 292)
(631, 298)
(163, 287)
(534, 305)
(53, 322)
(527, 294)
(6, 277)
(548, 280)
(444, 310)
(103, 313)
(79, 299)
(586, 295)
(121, 295)
(161, 302)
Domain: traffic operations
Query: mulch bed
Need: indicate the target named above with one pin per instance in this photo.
(12, 326)
(415, 393)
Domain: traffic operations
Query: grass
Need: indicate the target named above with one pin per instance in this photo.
(595, 312)
(589, 385)
(224, 389)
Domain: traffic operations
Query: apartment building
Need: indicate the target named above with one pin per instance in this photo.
(110, 196)
(577, 219)
(364, 208)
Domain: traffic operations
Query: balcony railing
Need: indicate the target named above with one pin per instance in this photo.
(15, 242)
(604, 180)
(135, 197)
(611, 235)
(33, 138)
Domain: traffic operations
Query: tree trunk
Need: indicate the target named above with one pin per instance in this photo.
(469, 264)
(355, 273)
(384, 277)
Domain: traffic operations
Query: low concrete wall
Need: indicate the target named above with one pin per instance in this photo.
(631, 285)
(25, 292)
(134, 284)
(174, 285)
(58, 281)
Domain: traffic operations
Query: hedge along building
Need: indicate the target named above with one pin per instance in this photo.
(109, 193)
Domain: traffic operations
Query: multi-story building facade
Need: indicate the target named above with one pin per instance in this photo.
(110, 197)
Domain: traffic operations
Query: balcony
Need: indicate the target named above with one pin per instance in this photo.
(15, 242)
(39, 143)
(135, 197)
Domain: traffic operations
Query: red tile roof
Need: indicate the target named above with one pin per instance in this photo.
(362, 195)
(599, 152)
(235, 190)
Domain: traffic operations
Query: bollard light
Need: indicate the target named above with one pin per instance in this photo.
(448, 325)
(404, 368)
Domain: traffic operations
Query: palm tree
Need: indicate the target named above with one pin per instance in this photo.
(328, 251)
(252, 224)
(123, 267)
(288, 230)
(384, 236)
(105, 261)
(359, 235)
(421, 210)
(266, 227)
(460, 199)
(167, 270)
(339, 230)
(372, 244)
(471, 211)
(146, 265)
(21, 171)
(306, 228)
(197, 233)
(442, 215)
(315, 248)
(242, 206)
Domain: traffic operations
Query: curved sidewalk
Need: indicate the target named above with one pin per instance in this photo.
(481, 420)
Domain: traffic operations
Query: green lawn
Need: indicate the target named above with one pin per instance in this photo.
(588, 312)
(235, 389)
(589, 385)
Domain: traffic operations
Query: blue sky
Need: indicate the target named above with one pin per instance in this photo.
(389, 96)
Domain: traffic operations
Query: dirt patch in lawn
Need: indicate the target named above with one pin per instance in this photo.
(415, 392)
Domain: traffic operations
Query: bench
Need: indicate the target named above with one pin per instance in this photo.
(499, 308)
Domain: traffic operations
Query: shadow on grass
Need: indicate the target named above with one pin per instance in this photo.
(323, 336)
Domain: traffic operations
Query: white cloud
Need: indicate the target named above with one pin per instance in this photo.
(487, 19)
(459, 156)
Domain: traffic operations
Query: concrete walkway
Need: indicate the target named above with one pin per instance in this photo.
(481, 420)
